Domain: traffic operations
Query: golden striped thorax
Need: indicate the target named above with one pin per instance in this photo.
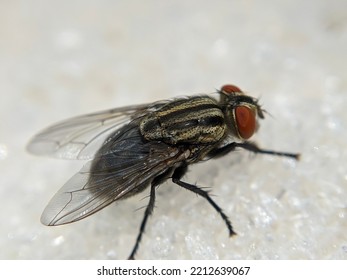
(194, 120)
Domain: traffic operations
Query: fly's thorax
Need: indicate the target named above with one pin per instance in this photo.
(195, 120)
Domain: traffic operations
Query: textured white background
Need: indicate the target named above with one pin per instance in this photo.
(63, 58)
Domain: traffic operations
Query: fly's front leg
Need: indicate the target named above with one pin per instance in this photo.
(176, 178)
(250, 147)
(255, 149)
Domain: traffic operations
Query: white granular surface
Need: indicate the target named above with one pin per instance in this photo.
(63, 58)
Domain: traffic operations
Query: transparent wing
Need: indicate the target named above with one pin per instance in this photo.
(81, 137)
(130, 167)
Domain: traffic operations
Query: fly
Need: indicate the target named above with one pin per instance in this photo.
(131, 148)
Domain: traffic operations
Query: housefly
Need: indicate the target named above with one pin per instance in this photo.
(131, 148)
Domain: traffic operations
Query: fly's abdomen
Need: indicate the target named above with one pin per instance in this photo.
(197, 120)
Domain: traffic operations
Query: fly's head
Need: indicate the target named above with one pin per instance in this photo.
(241, 111)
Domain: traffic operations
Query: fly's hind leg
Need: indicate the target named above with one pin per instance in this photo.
(149, 210)
(176, 178)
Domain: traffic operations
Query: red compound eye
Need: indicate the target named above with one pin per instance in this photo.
(245, 121)
(228, 89)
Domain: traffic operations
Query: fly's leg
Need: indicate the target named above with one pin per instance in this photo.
(250, 147)
(254, 148)
(149, 209)
(148, 212)
(176, 178)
